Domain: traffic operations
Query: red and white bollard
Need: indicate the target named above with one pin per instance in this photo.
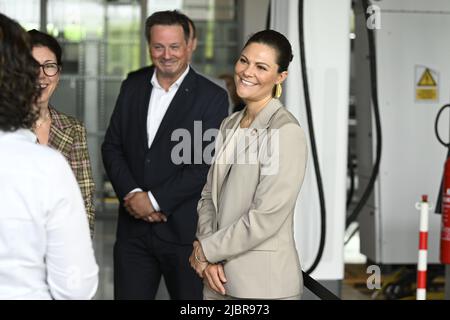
(424, 207)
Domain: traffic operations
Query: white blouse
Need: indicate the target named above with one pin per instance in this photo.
(45, 247)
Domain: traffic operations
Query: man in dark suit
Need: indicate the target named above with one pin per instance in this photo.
(159, 183)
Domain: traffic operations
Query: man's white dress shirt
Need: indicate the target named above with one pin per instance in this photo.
(160, 100)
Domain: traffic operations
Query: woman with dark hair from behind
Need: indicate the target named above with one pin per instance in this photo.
(45, 248)
(246, 247)
(55, 129)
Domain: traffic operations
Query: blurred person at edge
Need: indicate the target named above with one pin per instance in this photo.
(221, 82)
(45, 248)
(246, 247)
(57, 130)
(237, 103)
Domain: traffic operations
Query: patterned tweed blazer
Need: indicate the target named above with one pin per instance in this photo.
(68, 136)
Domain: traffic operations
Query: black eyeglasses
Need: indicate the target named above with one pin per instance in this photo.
(50, 69)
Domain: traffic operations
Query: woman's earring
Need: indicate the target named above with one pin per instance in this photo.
(278, 90)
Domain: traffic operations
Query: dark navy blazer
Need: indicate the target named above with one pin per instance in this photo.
(130, 164)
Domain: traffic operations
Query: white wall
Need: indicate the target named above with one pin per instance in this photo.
(327, 48)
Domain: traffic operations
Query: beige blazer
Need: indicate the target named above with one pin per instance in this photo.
(246, 210)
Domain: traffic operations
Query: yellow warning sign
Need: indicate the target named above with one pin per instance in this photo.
(426, 94)
(426, 79)
(426, 84)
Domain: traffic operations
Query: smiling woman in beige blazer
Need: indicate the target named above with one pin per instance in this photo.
(246, 246)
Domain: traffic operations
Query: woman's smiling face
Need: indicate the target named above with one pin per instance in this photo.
(43, 55)
(256, 72)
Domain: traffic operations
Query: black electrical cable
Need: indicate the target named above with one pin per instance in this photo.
(374, 92)
(351, 235)
(350, 193)
(436, 129)
(351, 171)
(269, 13)
(312, 138)
(314, 286)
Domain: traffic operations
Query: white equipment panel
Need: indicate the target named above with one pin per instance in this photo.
(327, 28)
(413, 36)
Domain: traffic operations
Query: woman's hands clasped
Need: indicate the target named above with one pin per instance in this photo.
(213, 273)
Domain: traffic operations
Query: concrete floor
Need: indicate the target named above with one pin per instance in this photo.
(105, 230)
(105, 235)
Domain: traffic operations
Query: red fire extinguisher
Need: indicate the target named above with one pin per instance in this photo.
(443, 206)
(445, 225)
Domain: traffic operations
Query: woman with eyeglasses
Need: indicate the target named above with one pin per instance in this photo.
(55, 129)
